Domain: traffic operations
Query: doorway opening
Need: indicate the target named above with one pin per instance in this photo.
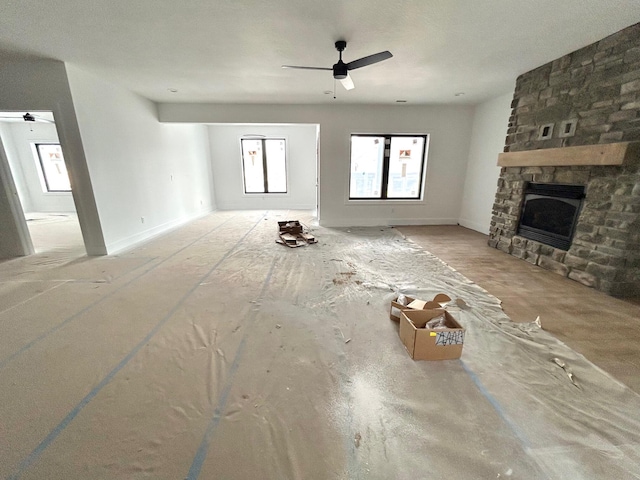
(39, 173)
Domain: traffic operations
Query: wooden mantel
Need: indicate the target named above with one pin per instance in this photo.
(601, 154)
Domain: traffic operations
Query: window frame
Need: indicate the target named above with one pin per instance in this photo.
(265, 174)
(42, 170)
(386, 156)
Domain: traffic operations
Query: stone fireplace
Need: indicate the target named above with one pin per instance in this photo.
(604, 249)
(576, 122)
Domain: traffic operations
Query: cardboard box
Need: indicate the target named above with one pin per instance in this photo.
(426, 344)
(415, 304)
(292, 234)
(292, 227)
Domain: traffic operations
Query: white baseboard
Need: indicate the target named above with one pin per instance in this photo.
(132, 241)
(265, 206)
(385, 222)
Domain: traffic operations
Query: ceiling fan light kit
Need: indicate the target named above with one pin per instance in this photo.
(341, 69)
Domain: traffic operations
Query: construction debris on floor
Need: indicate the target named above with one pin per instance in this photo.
(293, 234)
(202, 354)
(427, 330)
(402, 301)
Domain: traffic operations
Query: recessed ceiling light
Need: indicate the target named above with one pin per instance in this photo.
(173, 90)
(401, 101)
(458, 94)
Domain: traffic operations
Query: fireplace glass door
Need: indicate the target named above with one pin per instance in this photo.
(550, 213)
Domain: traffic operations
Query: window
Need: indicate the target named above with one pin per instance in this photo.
(54, 171)
(264, 165)
(387, 167)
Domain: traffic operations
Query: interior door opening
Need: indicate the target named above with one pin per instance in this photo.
(38, 171)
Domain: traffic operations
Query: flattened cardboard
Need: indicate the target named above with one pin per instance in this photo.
(442, 299)
(417, 304)
(438, 302)
(426, 344)
(292, 234)
(288, 238)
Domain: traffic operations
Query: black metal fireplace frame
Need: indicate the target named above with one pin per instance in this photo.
(570, 194)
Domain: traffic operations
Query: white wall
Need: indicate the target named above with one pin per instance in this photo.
(226, 157)
(15, 166)
(42, 85)
(14, 236)
(449, 128)
(490, 122)
(18, 139)
(139, 168)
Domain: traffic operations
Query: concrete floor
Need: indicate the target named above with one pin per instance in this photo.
(604, 329)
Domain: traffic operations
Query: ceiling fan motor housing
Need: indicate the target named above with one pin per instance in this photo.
(340, 70)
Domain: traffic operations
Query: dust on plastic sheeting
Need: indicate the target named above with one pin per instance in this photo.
(212, 352)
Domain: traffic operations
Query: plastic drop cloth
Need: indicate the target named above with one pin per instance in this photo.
(215, 353)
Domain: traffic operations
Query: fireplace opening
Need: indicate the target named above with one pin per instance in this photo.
(550, 213)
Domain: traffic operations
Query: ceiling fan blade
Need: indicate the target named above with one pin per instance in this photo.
(30, 118)
(306, 68)
(371, 59)
(347, 82)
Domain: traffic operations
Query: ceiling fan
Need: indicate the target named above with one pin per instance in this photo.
(27, 117)
(341, 69)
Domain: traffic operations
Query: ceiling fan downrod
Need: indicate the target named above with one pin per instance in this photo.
(340, 70)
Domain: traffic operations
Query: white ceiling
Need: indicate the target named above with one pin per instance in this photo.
(232, 50)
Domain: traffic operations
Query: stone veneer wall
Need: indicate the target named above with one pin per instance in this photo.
(599, 86)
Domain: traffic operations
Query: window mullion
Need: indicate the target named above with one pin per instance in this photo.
(385, 167)
(264, 166)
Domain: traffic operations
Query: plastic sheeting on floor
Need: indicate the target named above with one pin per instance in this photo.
(215, 353)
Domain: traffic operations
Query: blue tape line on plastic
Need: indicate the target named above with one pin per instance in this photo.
(201, 453)
(54, 329)
(496, 406)
(35, 454)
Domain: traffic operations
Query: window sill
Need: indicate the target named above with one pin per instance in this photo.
(265, 194)
(388, 201)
